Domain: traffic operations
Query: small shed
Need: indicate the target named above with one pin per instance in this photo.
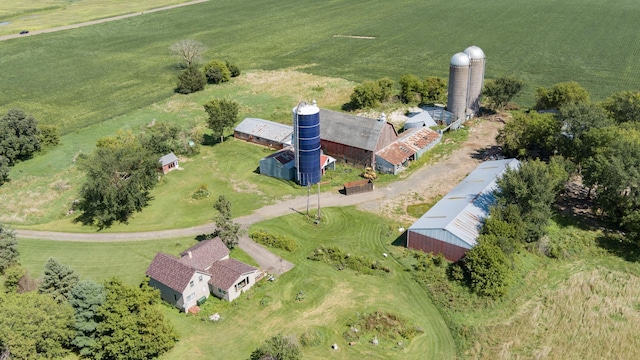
(264, 132)
(280, 165)
(168, 162)
(357, 187)
(419, 120)
(410, 146)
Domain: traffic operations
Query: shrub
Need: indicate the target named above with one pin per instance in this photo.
(233, 69)
(279, 242)
(371, 93)
(217, 72)
(410, 88)
(49, 136)
(336, 257)
(488, 270)
(201, 193)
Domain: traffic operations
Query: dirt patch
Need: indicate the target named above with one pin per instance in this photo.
(438, 179)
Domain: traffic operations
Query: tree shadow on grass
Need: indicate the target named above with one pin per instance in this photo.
(617, 244)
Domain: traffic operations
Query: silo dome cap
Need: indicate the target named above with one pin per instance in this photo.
(460, 59)
(474, 52)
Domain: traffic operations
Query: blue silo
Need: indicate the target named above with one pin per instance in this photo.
(306, 133)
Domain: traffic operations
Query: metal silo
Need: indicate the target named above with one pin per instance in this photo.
(458, 85)
(476, 77)
(306, 132)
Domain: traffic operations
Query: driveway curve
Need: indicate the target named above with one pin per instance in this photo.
(423, 184)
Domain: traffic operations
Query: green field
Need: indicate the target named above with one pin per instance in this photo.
(332, 296)
(16, 16)
(90, 75)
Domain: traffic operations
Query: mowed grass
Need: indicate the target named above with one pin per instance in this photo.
(331, 296)
(43, 189)
(99, 72)
(45, 14)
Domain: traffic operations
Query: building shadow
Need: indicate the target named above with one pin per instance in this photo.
(401, 240)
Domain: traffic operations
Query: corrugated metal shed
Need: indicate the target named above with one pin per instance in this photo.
(410, 146)
(419, 120)
(457, 218)
(279, 165)
(351, 130)
(266, 129)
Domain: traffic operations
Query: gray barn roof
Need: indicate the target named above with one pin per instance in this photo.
(457, 218)
(266, 129)
(351, 130)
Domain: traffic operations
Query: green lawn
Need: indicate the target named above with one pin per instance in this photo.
(96, 73)
(332, 296)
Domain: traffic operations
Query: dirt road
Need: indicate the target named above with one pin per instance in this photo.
(100, 21)
(423, 185)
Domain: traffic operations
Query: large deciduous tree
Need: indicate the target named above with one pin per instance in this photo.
(534, 188)
(613, 173)
(576, 119)
(223, 114)
(434, 90)
(86, 299)
(120, 175)
(226, 229)
(58, 280)
(488, 268)
(560, 94)
(623, 106)
(19, 136)
(8, 248)
(500, 91)
(132, 327)
(410, 88)
(188, 52)
(33, 326)
(530, 135)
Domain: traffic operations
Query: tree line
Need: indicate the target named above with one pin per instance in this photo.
(62, 314)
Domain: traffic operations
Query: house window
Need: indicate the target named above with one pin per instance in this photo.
(191, 283)
(200, 278)
(221, 291)
(175, 297)
(191, 297)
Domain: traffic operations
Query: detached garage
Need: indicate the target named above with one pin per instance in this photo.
(452, 226)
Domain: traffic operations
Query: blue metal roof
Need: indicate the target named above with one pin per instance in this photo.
(457, 218)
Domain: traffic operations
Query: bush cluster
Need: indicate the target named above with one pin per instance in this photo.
(276, 241)
(335, 256)
(382, 325)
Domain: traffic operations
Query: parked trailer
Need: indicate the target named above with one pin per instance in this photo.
(357, 187)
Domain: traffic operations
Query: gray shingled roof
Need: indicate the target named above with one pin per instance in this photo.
(266, 129)
(225, 273)
(204, 253)
(169, 271)
(168, 159)
(355, 131)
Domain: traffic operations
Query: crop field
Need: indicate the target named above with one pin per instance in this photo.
(331, 296)
(89, 75)
(16, 16)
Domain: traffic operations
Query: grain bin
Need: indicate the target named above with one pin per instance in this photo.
(306, 133)
(458, 85)
(476, 77)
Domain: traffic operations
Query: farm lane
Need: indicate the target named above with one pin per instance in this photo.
(423, 185)
(99, 21)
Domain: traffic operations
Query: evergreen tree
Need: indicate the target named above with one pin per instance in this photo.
(191, 80)
(86, 299)
(8, 248)
(58, 280)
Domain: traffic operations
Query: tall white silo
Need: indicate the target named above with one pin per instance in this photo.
(458, 85)
(476, 77)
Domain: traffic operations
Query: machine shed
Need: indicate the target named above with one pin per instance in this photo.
(452, 226)
(264, 132)
(279, 165)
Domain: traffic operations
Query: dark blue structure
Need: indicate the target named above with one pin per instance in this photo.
(306, 133)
